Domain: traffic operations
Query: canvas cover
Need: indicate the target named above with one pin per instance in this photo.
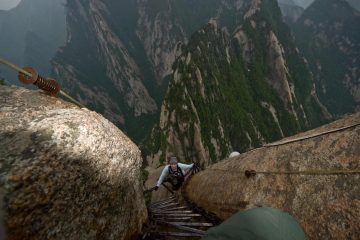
(259, 224)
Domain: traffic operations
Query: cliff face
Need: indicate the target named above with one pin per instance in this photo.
(328, 35)
(118, 55)
(236, 85)
(327, 206)
(66, 173)
(30, 38)
(98, 66)
(160, 33)
(163, 25)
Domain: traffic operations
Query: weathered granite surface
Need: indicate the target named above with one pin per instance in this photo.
(66, 173)
(327, 206)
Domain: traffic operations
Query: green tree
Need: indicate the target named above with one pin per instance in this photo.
(2, 80)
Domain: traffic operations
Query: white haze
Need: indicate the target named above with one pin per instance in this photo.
(8, 4)
(303, 3)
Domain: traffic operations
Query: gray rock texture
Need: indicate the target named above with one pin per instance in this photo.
(327, 206)
(66, 173)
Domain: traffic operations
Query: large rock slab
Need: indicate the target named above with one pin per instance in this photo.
(327, 206)
(66, 173)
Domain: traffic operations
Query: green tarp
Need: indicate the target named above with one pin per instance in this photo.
(259, 224)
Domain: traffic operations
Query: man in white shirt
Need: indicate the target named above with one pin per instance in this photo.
(174, 173)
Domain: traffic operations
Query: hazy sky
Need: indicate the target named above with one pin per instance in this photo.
(7, 4)
(303, 3)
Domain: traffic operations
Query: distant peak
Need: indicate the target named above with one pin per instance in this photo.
(213, 22)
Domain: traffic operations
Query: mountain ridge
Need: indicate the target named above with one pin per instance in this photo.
(226, 84)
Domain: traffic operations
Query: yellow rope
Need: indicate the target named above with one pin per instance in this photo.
(72, 99)
(13, 66)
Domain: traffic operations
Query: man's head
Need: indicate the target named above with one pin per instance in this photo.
(173, 163)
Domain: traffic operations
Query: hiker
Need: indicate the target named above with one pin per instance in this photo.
(174, 173)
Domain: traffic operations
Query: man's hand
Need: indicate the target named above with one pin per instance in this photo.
(156, 188)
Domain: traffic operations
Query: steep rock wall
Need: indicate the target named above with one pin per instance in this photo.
(235, 90)
(66, 173)
(327, 206)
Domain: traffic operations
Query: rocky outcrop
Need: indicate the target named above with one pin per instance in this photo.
(279, 72)
(119, 54)
(327, 206)
(108, 69)
(66, 173)
(160, 35)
